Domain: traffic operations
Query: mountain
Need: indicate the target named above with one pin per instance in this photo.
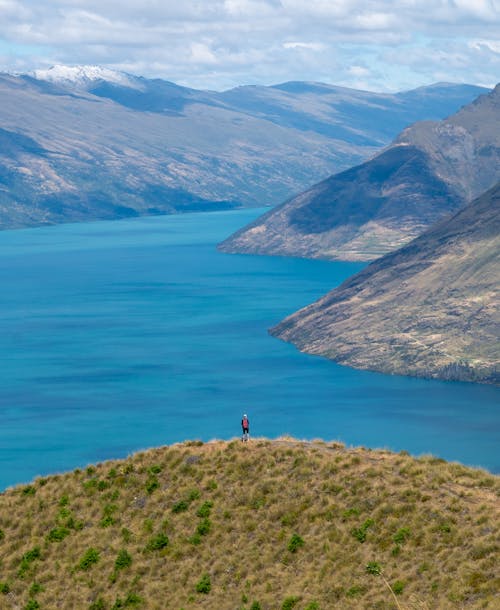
(264, 525)
(81, 143)
(431, 170)
(430, 309)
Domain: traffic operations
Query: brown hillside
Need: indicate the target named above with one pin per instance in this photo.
(269, 525)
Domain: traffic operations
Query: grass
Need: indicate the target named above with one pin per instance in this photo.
(262, 525)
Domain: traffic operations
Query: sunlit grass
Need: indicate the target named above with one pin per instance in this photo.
(265, 525)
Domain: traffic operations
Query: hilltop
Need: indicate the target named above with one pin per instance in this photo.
(429, 309)
(269, 525)
(431, 170)
(82, 143)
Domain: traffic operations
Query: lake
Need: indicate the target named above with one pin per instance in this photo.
(117, 336)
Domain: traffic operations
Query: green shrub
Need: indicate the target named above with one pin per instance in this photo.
(312, 606)
(64, 501)
(155, 469)
(35, 588)
(204, 585)
(355, 590)
(203, 527)
(295, 543)
(28, 558)
(398, 587)
(401, 535)
(4, 588)
(255, 606)
(90, 557)
(204, 510)
(123, 560)
(158, 542)
(180, 506)
(290, 602)
(32, 605)
(360, 532)
(372, 567)
(57, 534)
(152, 484)
(195, 539)
(29, 490)
(194, 494)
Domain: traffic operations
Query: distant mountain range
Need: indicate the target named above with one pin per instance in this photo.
(429, 309)
(431, 170)
(85, 143)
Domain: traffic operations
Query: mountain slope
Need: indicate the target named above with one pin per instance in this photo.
(265, 525)
(105, 144)
(429, 309)
(431, 170)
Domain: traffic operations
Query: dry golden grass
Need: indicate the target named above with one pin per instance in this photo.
(269, 525)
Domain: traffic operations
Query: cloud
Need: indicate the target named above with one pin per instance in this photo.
(222, 43)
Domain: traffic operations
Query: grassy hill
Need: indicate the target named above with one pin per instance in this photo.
(273, 525)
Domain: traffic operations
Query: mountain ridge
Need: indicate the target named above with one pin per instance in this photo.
(101, 149)
(430, 170)
(429, 309)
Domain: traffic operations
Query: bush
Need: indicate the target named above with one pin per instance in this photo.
(398, 587)
(35, 588)
(32, 605)
(152, 484)
(295, 543)
(158, 542)
(203, 527)
(360, 532)
(64, 501)
(372, 567)
(401, 535)
(204, 510)
(57, 534)
(290, 602)
(312, 606)
(123, 560)
(4, 588)
(204, 585)
(28, 558)
(180, 506)
(255, 606)
(29, 490)
(90, 557)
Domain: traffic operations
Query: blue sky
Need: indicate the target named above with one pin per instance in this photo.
(384, 45)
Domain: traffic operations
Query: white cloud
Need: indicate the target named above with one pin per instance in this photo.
(222, 43)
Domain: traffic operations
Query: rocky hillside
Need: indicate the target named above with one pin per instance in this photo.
(86, 143)
(265, 525)
(431, 170)
(430, 309)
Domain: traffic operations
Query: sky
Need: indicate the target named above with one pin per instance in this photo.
(384, 45)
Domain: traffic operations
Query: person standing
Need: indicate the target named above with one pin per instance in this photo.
(245, 426)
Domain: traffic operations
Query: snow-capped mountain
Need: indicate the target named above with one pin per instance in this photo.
(83, 76)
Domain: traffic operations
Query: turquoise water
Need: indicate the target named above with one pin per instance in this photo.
(116, 336)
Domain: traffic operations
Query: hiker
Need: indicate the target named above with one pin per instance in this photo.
(245, 426)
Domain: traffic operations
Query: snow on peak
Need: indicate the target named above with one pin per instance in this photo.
(83, 76)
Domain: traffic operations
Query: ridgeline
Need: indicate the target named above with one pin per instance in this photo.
(269, 525)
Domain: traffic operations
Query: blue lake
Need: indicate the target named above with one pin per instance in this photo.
(116, 336)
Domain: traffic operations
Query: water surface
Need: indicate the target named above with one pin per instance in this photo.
(116, 336)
